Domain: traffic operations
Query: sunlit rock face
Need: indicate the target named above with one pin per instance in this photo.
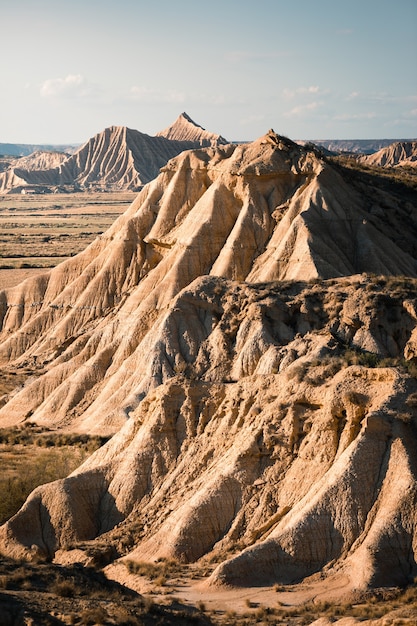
(226, 330)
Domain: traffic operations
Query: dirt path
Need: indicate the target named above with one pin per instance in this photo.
(226, 600)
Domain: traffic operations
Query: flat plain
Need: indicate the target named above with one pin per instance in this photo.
(40, 231)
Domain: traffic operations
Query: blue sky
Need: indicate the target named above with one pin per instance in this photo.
(308, 69)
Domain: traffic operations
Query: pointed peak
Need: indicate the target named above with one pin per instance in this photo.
(275, 139)
(187, 118)
(185, 129)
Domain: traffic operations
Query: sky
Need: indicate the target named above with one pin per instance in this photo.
(309, 69)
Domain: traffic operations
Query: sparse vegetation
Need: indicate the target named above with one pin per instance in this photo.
(81, 595)
(41, 231)
(397, 607)
(31, 457)
(45, 467)
(384, 177)
(346, 356)
(45, 438)
(95, 615)
(64, 588)
(159, 572)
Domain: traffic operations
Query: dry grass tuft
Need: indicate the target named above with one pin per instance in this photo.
(30, 458)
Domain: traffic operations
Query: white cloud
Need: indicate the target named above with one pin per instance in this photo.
(72, 86)
(143, 94)
(302, 109)
(348, 117)
(291, 93)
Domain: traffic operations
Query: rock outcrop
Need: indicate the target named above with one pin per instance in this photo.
(14, 171)
(185, 129)
(227, 328)
(399, 154)
(355, 146)
(118, 158)
(40, 161)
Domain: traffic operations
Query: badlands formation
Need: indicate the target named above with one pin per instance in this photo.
(397, 154)
(118, 158)
(354, 146)
(245, 332)
(185, 129)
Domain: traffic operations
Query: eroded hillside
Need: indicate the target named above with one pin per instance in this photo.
(185, 129)
(118, 158)
(399, 154)
(258, 378)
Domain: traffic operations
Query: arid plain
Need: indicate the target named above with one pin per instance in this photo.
(39, 231)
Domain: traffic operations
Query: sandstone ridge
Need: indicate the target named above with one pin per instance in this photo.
(220, 332)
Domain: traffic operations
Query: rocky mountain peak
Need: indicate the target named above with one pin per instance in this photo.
(185, 129)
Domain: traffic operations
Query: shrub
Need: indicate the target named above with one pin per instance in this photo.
(32, 467)
(158, 572)
(45, 467)
(412, 400)
(64, 588)
(356, 398)
(95, 615)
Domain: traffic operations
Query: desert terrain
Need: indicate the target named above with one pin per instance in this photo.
(243, 339)
(40, 231)
(116, 159)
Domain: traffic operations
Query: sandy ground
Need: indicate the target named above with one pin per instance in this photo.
(10, 278)
(239, 600)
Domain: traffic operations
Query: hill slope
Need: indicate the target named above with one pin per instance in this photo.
(357, 146)
(40, 160)
(395, 155)
(185, 129)
(117, 158)
(247, 417)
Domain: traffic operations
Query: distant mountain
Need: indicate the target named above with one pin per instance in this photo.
(118, 158)
(358, 146)
(40, 160)
(15, 170)
(185, 129)
(24, 149)
(398, 154)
